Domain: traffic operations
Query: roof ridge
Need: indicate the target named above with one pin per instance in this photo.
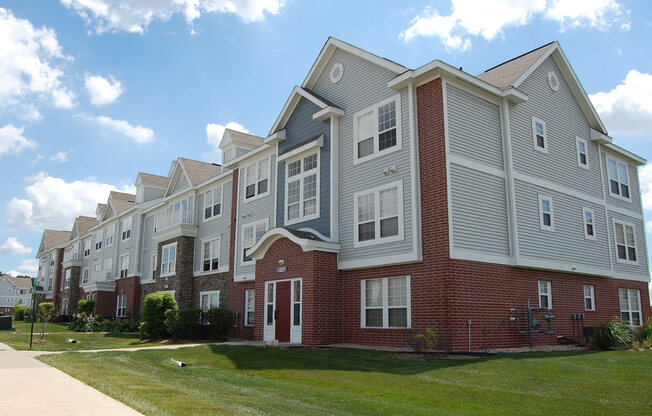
(520, 56)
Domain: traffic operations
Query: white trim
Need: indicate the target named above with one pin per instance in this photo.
(272, 139)
(578, 141)
(375, 191)
(210, 294)
(328, 112)
(618, 163)
(256, 163)
(630, 294)
(510, 192)
(396, 99)
(588, 236)
(168, 263)
(625, 224)
(414, 173)
(334, 178)
(221, 203)
(258, 250)
(535, 144)
(591, 296)
(460, 160)
(316, 171)
(212, 239)
(626, 153)
(247, 309)
(291, 103)
(295, 153)
(548, 293)
(239, 253)
(449, 190)
(378, 261)
(542, 225)
(118, 306)
(120, 260)
(385, 303)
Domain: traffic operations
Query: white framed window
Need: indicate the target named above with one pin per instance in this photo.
(109, 234)
(378, 215)
(545, 294)
(377, 129)
(618, 178)
(125, 227)
(227, 155)
(625, 240)
(302, 189)
(385, 302)
(630, 306)
(251, 233)
(539, 135)
(121, 309)
(589, 297)
(124, 265)
(87, 248)
(589, 223)
(582, 153)
(168, 259)
(250, 299)
(210, 255)
(108, 269)
(546, 221)
(213, 203)
(97, 238)
(154, 265)
(257, 179)
(209, 299)
(66, 280)
(85, 275)
(97, 269)
(53, 256)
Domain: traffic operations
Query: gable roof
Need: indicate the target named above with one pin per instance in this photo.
(503, 76)
(21, 282)
(292, 101)
(82, 226)
(198, 172)
(120, 201)
(149, 179)
(234, 136)
(53, 238)
(100, 210)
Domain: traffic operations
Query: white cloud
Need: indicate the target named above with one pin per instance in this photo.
(134, 16)
(627, 109)
(214, 133)
(138, 133)
(29, 71)
(28, 267)
(103, 91)
(61, 157)
(13, 246)
(645, 179)
(54, 203)
(13, 273)
(488, 19)
(12, 140)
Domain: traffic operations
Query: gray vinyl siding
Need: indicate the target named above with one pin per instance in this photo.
(641, 268)
(129, 246)
(253, 211)
(362, 85)
(474, 127)
(239, 151)
(479, 212)
(150, 247)
(566, 244)
(635, 203)
(213, 228)
(564, 121)
(299, 128)
(110, 252)
(152, 193)
(86, 260)
(182, 183)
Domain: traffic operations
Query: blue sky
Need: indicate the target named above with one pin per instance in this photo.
(93, 91)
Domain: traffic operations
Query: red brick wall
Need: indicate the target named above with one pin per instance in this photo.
(131, 287)
(105, 303)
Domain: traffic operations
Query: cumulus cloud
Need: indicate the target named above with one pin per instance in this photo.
(30, 67)
(139, 134)
(214, 133)
(645, 179)
(487, 19)
(28, 267)
(61, 157)
(13, 141)
(627, 109)
(103, 91)
(13, 246)
(134, 16)
(51, 202)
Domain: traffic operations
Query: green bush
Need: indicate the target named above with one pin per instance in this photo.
(612, 334)
(86, 306)
(183, 323)
(154, 307)
(221, 321)
(643, 335)
(21, 312)
(95, 323)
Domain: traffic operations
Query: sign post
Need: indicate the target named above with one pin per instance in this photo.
(31, 335)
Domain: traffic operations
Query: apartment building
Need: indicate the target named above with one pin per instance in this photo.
(387, 200)
(14, 291)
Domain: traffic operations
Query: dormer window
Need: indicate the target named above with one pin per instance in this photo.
(228, 154)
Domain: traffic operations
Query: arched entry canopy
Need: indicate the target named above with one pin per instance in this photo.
(304, 239)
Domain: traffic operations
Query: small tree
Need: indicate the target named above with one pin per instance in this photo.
(154, 307)
(86, 306)
(46, 313)
(20, 312)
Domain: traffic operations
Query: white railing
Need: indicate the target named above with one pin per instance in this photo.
(166, 219)
(102, 276)
(74, 255)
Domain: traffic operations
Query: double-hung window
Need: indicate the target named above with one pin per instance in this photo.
(124, 265)
(618, 177)
(545, 213)
(379, 215)
(210, 255)
(66, 280)
(213, 203)
(630, 306)
(125, 226)
(589, 297)
(109, 233)
(377, 129)
(582, 153)
(625, 242)
(108, 269)
(250, 234)
(257, 178)
(168, 259)
(52, 257)
(385, 302)
(209, 300)
(545, 294)
(121, 309)
(302, 189)
(98, 241)
(250, 298)
(539, 135)
(154, 265)
(85, 275)
(589, 223)
(87, 248)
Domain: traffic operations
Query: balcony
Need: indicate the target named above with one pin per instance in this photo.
(100, 281)
(72, 258)
(176, 223)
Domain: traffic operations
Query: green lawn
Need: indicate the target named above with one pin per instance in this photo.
(251, 381)
(57, 339)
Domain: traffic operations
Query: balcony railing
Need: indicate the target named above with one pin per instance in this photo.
(166, 219)
(102, 276)
(75, 255)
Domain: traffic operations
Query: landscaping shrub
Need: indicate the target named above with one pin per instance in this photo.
(183, 323)
(612, 334)
(21, 312)
(46, 313)
(154, 307)
(86, 306)
(643, 336)
(220, 321)
(96, 323)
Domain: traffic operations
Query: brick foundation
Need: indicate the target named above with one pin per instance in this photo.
(131, 287)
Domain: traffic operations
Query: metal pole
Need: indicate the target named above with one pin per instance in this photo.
(31, 335)
(529, 321)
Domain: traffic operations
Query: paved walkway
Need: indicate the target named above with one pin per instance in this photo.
(30, 387)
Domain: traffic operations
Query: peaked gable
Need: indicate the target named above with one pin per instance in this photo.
(295, 96)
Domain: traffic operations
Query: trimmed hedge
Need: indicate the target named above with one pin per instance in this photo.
(86, 306)
(220, 321)
(154, 307)
(21, 312)
(183, 323)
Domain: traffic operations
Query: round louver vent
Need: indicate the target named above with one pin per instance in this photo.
(336, 72)
(553, 81)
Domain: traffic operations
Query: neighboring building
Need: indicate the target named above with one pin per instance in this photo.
(385, 201)
(50, 268)
(14, 291)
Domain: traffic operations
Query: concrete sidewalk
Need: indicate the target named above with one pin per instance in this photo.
(30, 387)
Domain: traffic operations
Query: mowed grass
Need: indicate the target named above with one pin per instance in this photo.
(57, 337)
(239, 380)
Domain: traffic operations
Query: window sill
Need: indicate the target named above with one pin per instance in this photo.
(366, 243)
(376, 155)
(630, 262)
(214, 217)
(617, 196)
(302, 219)
(254, 198)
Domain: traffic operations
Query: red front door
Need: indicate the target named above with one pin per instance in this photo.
(283, 311)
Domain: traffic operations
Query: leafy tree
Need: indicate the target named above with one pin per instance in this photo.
(46, 313)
